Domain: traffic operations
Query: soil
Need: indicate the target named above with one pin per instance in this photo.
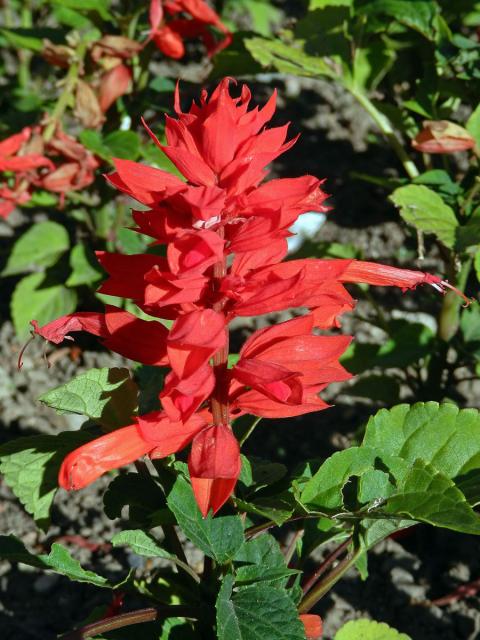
(424, 565)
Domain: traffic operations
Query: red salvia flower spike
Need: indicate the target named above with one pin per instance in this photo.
(226, 234)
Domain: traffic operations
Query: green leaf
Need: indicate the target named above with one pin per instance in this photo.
(321, 4)
(426, 211)
(141, 543)
(278, 508)
(426, 495)
(220, 537)
(324, 490)
(142, 495)
(40, 246)
(441, 434)
(98, 6)
(85, 269)
(473, 125)
(30, 468)
(415, 14)
(36, 299)
(288, 58)
(108, 396)
(369, 630)
(58, 560)
(23, 39)
(123, 144)
(470, 324)
(412, 465)
(262, 560)
(94, 142)
(71, 18)
(263, 16)
(259, 611)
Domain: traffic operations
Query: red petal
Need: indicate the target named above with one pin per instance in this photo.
(141, 340)
(194, 338)
(155, 14)
(194, 251)
(59, 329)
(273, 380)
(11, 145)
(181, 397)
(142, 182)
(168, 436)
(113, 84)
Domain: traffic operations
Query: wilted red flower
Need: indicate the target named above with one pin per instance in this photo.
(442, 136)
(225, 233)
(169, 34)
(15, 159)
(76, 168)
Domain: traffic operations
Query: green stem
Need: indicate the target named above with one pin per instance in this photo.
(127, 619)
(24, 55)
(249, 431)
(317, 592)
(450, 313)
(67, 93)
(386, 128)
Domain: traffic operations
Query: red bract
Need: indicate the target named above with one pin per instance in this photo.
(225, 232)
(313, 626)
(169, 32)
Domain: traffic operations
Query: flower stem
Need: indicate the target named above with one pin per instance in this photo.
(449, 314)
(317, 592)
(220, 408)
(134, 617)
(249, 431)
(386, 128)
(67, 93)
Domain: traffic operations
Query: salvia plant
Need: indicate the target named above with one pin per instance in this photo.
(218, 240)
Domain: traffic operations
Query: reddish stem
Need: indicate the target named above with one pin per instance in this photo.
(329, 560)
(220, 409)
(126, 619)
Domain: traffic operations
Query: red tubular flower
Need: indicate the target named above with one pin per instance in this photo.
(225, 232)
(87, 463)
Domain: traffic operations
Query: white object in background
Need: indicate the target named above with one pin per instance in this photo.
(305, 228)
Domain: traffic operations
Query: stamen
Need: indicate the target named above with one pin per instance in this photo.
(444, 284)
(24, 348)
